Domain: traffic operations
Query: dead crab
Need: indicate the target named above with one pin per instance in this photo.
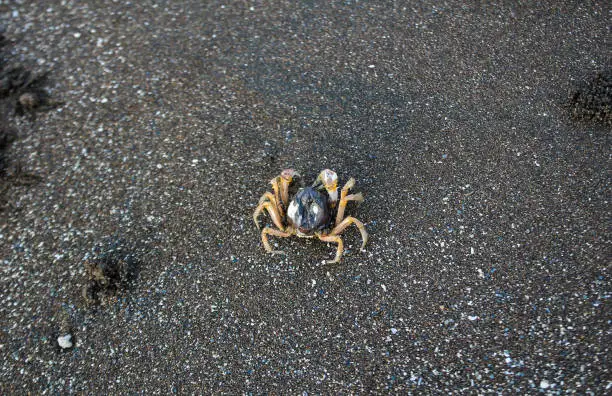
(310, 212)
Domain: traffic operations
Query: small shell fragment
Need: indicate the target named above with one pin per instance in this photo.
(65, 341)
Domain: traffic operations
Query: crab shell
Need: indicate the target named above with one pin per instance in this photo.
(308, 212)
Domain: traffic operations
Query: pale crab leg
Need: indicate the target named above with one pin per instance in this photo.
(267, 195)
(274, 232)
(334, 239)
(344, 199)
(272, 211)
(347, 222)
(275, 186)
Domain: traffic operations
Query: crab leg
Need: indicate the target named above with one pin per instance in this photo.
(334, 239)
(272, 231)
(338, 229)
(280, 185)
(267, 195)
(349, 184)
(272, 211)
(344, 199)
(277, 193)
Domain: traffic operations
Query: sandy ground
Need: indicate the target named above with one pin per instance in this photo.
(487, 204)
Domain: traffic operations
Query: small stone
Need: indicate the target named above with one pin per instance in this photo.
(65, 341)
(544, 384)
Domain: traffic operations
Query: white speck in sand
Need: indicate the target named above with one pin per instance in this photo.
(65, 341)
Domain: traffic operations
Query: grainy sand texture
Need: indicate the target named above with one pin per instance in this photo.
(137, 137)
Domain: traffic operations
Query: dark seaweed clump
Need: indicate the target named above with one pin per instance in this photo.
(109, 273)
(21, 91)
(592, 100)
(25, 89)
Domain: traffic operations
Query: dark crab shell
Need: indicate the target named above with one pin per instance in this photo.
(309, 211)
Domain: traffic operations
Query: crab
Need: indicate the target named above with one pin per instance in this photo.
(313, 211)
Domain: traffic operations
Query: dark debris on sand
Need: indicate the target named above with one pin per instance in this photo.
(22, 92)
(109, 271)
(592, 101)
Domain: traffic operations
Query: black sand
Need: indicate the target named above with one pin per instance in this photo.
(487, 198)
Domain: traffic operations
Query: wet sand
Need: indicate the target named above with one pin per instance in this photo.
(486, 185)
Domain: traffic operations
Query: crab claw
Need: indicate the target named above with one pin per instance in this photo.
(289, 174)
(328, 179)
(282, 183)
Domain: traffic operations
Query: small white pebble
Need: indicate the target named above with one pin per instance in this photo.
(64, 341)
(77, 35)
(544, 384)
(371, 66)
(393, 330)
(384, 288)
(159, 166)
(472, 318)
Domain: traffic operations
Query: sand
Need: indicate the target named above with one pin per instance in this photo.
(487, 198)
